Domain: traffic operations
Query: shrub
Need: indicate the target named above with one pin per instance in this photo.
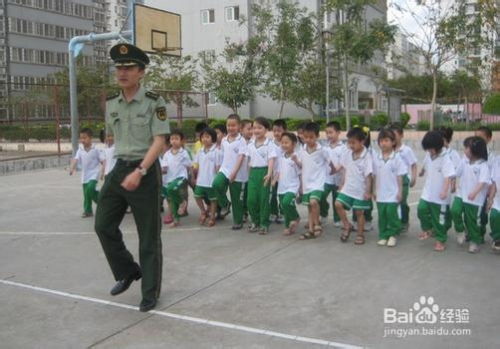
(423, 125)
(492, 104)
(405, 119)
(379, 120)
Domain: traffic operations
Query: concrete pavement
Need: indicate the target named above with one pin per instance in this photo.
(227, 289)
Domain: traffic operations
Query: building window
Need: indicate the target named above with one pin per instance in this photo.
(212, 98)
(232, 13)
(208, 16)
(208, 56)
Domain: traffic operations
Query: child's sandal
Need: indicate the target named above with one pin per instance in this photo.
(346, 233)
(318, 230)
(424, 235)
(211, 222)
(360, 240)
(307, 236)
(203, 218)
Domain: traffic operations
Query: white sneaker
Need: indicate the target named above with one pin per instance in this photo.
(392, 241)
(473, 248)
(355, 226)
(382, 242)
(368, 226)
(338, 224)
(460, 238)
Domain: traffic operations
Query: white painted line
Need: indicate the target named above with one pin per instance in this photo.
(184, 317)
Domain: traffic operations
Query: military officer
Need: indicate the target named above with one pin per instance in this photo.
(138, 120)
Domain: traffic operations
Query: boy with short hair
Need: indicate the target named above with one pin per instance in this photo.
(90, 159)
(315, 160)
(409, 180)
(247, 133)
(335, 149)
(279, 127)
(234, 150)
(485, 133)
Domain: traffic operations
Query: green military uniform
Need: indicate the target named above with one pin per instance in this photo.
(134, 125)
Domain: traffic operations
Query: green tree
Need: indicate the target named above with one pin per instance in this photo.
(93, 84)
(354, 40)
(174, 78)
(290, 37)
(443, 31)
(233, 75)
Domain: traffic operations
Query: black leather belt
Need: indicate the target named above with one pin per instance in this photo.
(128, 163)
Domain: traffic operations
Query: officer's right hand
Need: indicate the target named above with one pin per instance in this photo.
(132, 181)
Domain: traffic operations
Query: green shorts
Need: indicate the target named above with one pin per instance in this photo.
(355, 204)
(204, 193)
(314, 195)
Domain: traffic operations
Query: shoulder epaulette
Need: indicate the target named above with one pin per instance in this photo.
(152, 95)
(112, 96)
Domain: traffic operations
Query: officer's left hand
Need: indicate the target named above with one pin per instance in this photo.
(132, 181)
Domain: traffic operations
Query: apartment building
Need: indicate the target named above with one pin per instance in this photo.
(208, 24)
(34, 36)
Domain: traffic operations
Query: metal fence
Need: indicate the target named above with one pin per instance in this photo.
(27, 103)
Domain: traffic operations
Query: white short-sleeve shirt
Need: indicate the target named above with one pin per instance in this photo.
(314, 168)
(176, 163)
(408, 157)
(470, 174)
(386, 173)
(289, 175)
(335, 152)
(495, 177)
(108, 155)
(355, 173)
(231, 150)
(260, 154)
(491, 158)
(436, 171)
(454, 157)
(208, 160)
(89, 161)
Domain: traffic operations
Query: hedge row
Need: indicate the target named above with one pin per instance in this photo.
(48, 132)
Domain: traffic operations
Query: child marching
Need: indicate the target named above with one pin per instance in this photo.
(388, 172)
(475, 177)
(433, 207)
(176, 164)
(231, 174)
(409, 180)
(262, 155)
(288, 178)
(206, 164)
(315, 161)
(356, 189)
(336, 150)
(89, 158)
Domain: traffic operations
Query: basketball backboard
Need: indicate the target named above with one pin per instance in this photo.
(157, 31)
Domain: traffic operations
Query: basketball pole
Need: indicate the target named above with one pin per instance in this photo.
(74, 47)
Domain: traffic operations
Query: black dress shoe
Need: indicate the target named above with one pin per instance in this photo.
(147, 305)
(123, 285)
